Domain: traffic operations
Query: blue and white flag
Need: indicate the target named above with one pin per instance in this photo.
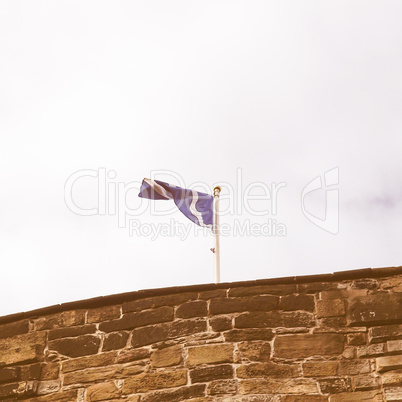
(194, 205)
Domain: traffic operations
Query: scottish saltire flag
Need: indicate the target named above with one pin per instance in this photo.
(193, 204)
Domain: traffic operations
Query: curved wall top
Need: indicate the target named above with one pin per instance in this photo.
(335, 337)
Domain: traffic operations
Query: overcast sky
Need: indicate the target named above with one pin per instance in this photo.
(195, 92)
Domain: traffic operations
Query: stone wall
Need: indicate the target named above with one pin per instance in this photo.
(320, 338)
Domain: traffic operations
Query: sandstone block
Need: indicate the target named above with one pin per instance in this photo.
(140, 319)
(30, 372)
(9, 390)
(182, 394)
(278, 386)
(222, 387)
(330, 308)
(366, 396)
(102, 359)
(297, 302)
(386, 363)
(212, 294)
(320, 368)
(63, 319)
(205, 374)
(274, 319)
(209, 354)
(296, 330)
(158, 301)
(162, 332)
(222, 323)
(171, 356)
(334, 385)
(22, 348)
(393, 394)
(48, 387)
(271, 370)
(385, 333)
(115, 340)
(263, 290)
(315, 287)
(376, 349)
(255, 398)
(9, 374)
(27, 388)
(375, 309)
(14, 328)
(50, 371)
(226, 305)
(343, 294)
(255, 350)
(349, 352)
(90, 375)
(304, 398)
(152, 334)
(366, 382)
(332, 322)
(103, 314)
(130, 355)
(394, 283)
(150, 381)
(365, 283)
(102, 391)
(71, 331)
(64, 396)
(76, 347)
(338, 330)
(354, 367)
(133, 369)
(308, 345)
(394, 346)
(356, 339)
(393, 377)
(237, 335)
(197, 308)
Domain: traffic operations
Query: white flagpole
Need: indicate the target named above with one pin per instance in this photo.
(215, 229)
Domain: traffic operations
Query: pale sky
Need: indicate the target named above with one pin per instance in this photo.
(280, 91)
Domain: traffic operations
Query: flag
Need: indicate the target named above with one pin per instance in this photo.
(194, 205)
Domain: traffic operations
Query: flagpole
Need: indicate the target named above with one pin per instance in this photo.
(215, 229)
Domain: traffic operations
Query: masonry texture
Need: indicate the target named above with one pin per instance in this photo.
(335, 337)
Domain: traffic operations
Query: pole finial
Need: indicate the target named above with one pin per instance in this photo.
(217, 190)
